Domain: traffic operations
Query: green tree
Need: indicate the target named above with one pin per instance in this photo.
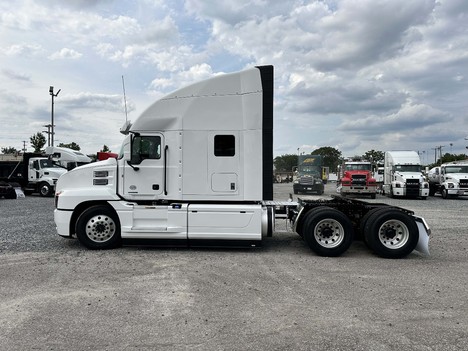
(374, 156)
(285, 163)
(72, 145)
(105, 148)
(331, 156)
(9, 150)
(38, 141)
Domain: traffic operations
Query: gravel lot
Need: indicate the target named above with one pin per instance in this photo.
(56, 295)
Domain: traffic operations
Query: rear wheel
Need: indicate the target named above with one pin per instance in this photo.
(391, 233)
(98, 227)
(327, 231)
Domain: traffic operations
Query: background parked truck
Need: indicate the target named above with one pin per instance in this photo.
(196, 170)
(403, 176)
(33, 172)
(449, 179)
(308, 177)
(355, 178)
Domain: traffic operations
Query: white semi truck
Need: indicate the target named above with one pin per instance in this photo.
(196, 169)
(66, 157)
(450, 179)
(403, 176)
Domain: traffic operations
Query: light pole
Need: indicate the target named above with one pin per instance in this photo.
(51, 92)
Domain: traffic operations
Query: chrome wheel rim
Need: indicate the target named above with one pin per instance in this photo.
(393, 234)
(329, 233)
(100, 228)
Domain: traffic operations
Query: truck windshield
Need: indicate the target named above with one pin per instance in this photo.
(312, 170)
(358, 167)
(46, 163)
(408, 168)
(456, 169)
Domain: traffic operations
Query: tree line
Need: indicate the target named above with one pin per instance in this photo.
(38, 142)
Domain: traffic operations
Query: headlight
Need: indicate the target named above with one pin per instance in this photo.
(451, 185)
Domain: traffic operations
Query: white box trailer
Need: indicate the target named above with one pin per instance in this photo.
(403, 175)
(196, 169)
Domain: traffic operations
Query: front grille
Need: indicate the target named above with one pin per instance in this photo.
(412, 183)
(358, 179)
(463, 183)
(412, 187)
(306, 181)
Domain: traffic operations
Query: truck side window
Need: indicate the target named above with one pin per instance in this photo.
(144, 147)
(224, 145)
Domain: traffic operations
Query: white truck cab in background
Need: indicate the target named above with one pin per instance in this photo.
(450, 179)
(403, 175)
(66, 157)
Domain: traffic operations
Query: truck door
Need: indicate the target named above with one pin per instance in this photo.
(143, 175)
(223, 162)
(33, 171)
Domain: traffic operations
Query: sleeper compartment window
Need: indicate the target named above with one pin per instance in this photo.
(224, 145)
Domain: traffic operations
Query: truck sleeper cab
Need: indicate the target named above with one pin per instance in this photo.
(196, 170)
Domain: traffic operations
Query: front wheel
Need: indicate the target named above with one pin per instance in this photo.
(98, 227)
(45, 189)
(327, 231)
(391, 233)
(444, 193)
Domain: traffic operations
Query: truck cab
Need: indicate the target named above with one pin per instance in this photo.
(450, 179)
(195, 166)
(403, 175)
(66, 157)
(308, 177)
(42, 175)
(356, 179)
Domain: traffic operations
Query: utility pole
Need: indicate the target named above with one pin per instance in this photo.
(51, 92)
(48, 126)
(24, 146)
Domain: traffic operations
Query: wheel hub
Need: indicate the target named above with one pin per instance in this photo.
(390, 233)
(100, 228)
(393, 234)
(329, 233)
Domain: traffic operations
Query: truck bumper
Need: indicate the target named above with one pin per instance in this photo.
(458, 192)
(404, 192)
(62, 222)
(301, 188)
(365, 190)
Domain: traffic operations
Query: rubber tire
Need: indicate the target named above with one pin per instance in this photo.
(45, 189)
(109, 216)
(375, 223)
(314, 218)
(365, 218)
(444, 193)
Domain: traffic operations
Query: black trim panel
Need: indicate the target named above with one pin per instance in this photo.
(267, 74)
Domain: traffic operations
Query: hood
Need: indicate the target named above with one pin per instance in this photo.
(408, 175)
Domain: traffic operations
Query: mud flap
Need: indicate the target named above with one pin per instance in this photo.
(424, 233)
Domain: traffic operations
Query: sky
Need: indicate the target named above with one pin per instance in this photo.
(356, 75)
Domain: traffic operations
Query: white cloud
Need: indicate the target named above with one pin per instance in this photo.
(65, 53)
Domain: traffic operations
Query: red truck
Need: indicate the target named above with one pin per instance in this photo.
(355, 177)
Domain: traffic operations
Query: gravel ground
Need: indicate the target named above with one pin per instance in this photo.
(56, 295)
